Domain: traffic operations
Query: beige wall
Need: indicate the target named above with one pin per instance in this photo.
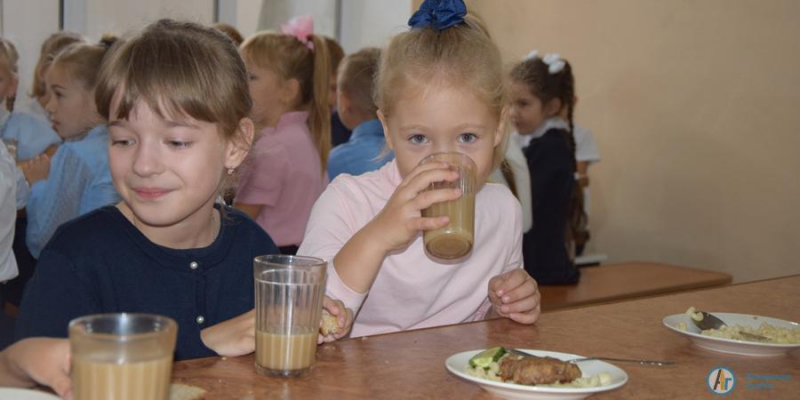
(696, 108)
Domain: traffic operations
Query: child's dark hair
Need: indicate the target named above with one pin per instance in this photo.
(545, 85)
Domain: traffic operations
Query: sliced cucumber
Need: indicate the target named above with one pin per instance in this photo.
(486, 357)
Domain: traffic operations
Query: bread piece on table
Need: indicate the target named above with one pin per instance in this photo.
(179, 391)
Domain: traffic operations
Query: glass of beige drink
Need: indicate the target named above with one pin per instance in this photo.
(455, 239)
(289, 292)
(122, 356)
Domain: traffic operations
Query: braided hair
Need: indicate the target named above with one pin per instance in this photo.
(536, 75)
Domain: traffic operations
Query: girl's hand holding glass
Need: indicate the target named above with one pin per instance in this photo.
(515, 295)
(401, 219)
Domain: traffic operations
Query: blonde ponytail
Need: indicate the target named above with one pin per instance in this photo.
(319, 113)
(290, 58)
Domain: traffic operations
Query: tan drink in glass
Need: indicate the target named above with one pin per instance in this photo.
(289, 292)
(455, 239)
(122, 356)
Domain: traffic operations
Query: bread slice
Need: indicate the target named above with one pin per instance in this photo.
(329, 325)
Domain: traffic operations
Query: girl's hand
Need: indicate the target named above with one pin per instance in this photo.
(36, 169)
(401, 219)
(45, 361)
(344, 316)
(515, 295)
(234, 337)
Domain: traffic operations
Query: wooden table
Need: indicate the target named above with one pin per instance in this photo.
(626, 281)
(410, 365)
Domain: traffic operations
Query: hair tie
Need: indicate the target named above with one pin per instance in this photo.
(301, 27)
(438, 14)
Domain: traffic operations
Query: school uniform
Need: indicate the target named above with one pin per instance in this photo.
(522, 181)
(8, 216)
(339, 133)
(285, 175)
(412, 289)
(101, 263)
(33, 134)
(552, 171)
(79, 182)
(361, 153)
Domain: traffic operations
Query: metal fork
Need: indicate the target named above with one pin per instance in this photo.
(582, 359)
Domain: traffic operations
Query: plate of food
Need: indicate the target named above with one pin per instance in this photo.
(25, 394)
(542, 375)
(781, 336)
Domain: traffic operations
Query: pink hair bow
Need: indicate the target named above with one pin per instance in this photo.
(301, 27)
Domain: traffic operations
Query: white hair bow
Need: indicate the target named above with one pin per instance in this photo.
(554, 63)
(533, 54)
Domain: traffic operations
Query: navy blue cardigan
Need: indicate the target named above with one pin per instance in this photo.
(100, 263)
(544, 247)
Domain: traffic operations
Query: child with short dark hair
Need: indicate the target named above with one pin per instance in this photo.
(365, 150)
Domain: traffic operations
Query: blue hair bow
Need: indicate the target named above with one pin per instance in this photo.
(438, 14)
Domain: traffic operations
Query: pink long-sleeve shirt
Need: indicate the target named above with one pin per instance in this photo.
(284, 174)
(413, 290)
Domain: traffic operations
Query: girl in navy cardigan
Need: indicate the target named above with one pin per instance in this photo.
(541, 88)
(176, 100)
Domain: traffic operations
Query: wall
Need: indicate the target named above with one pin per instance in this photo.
(119, 17)
(372, 22)
(695, 108)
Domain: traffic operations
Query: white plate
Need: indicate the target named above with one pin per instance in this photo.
(25, 394)
(458, 363)
(732, 346)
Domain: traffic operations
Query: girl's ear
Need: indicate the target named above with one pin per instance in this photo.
(386, 134)
(237, 148)
(553, 107)
(290, 91)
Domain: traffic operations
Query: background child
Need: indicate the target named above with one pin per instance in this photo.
(339, 132)
(289, 75)
(50, 48)
(230, 31)
(77, 179)
(513, 172)
(176, 100)
(439, 88)
(32, 134)
(541, 89)
(357, 109)
(8, 216)
(586, 154)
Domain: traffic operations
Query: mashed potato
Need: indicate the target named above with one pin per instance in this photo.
(774, 334)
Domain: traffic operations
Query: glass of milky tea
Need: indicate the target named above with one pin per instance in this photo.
(289, 292)
(455, 239)
(122, 356)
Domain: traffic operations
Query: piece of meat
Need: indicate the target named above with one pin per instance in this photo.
(537, 370)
